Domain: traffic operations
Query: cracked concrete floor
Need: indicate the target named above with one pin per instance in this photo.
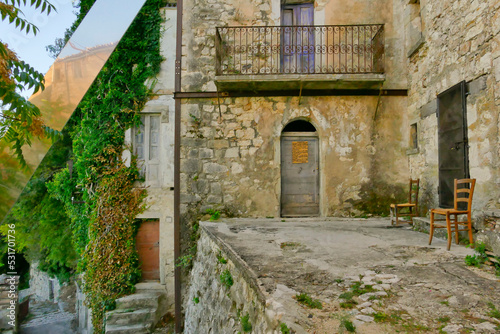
(428, 289)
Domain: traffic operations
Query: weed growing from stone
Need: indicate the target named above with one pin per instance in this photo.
(196, 300)
(347, 325)
(338, 280)
(284, 328)
(214, 214)
(494, 313)
(305, 299)
(289, 244)
(226, 279)
(443, 319)
(221, 259)
(246, 326)
(348, 304)
(380, 317)
(358, 290)
(479, 258)
(446, 303)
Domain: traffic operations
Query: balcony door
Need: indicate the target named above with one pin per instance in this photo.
(297, 38)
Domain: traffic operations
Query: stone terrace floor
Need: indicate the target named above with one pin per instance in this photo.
(381, 279)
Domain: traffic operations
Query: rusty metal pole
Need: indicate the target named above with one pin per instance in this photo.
(177, 173)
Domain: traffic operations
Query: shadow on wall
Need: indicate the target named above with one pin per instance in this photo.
(377, 196)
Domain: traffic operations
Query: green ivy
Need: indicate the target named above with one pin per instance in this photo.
(100, 197)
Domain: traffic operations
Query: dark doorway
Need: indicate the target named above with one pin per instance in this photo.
(299, 170)
(148, 248)
(453, 145)
(297, 38)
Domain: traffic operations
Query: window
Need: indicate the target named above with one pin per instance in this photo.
(413, 137)
(146, 143)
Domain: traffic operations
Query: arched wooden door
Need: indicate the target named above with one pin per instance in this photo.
(299, 173)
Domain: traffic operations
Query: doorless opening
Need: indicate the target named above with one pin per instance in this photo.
(299, 170)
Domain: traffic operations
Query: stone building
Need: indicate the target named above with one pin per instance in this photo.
(453, 51)
(317, 108)
(290, 108)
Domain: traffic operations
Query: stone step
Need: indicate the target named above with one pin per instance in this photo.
(123, 317)
(132, 329)
(145, 287)
(139, 301)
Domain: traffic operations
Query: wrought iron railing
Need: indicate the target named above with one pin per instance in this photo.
(300, 49)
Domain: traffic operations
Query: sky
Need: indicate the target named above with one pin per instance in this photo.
(31, 48)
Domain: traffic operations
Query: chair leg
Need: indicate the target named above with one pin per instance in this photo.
(448, 227)
(431, 230)
(397, 215)
(469, 227)
(456, 229)
(392, 215)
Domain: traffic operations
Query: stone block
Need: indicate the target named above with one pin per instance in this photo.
(206, 153)
(214, 168)
(233, 152)
(215, 189)
(428, 109)
(190, 166)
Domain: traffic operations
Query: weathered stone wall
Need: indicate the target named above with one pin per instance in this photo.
(212, 307)
(201, 17)
(230, 157)
(460, 41)
(42, 286)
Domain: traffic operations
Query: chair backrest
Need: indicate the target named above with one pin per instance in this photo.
(413, 194)
(464, 192)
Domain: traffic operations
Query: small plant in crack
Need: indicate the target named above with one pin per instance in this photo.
(226, 279)
(305, 299)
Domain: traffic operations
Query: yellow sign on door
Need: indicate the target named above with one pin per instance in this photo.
(300, 152)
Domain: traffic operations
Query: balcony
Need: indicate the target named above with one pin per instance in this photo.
(300, 57)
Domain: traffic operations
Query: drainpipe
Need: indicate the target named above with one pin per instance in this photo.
(177, 173)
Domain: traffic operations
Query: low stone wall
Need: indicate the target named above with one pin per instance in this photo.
(488, 225)
(214, 305)
(42, 286)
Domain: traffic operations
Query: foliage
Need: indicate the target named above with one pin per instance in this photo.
(348, 325)
(43, 230)
(305, 299)
(214, 215)
(494, 313)
(246, 326)
(226, 279)
(478, 259)
(196, 300)
(284, 328)
(20, 120)
(380, 317)
(100, 197)
(221, 258)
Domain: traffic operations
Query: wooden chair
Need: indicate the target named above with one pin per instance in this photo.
(409, 209)
(462, 194)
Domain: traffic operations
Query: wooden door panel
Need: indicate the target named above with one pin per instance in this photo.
(148, 248)
(299, 179)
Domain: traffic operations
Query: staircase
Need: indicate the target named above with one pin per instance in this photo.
(138, 313)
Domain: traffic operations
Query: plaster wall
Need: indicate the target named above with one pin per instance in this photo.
(460, 42)
(230, 156)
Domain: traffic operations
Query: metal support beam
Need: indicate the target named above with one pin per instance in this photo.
(305, 92)
(177, 173)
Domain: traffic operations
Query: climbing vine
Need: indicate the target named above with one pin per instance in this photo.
(99, 194)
